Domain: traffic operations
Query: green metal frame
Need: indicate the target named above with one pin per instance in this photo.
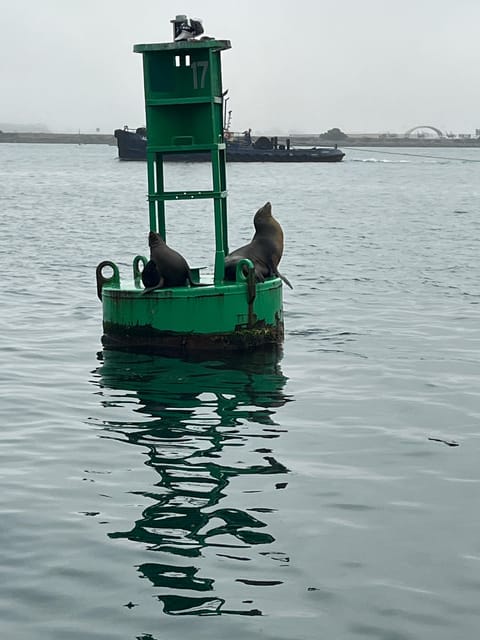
(184, 113)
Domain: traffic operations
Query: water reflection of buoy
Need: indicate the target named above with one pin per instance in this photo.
(185, 417)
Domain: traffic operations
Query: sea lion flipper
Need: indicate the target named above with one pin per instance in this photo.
(286, 280)
(258, 274)
(159, 285)
(191, 282)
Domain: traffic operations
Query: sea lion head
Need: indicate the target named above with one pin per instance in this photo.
(155, 239)
(267, 227)
(263, 216)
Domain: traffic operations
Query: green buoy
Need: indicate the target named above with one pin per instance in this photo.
(184, 114)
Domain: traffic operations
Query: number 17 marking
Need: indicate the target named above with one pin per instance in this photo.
(199, 77)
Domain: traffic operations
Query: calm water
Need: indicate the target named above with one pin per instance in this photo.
(297, 497)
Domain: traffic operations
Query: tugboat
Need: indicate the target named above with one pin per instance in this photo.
(240, 147)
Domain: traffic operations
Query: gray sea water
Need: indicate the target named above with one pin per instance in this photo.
(270, 498)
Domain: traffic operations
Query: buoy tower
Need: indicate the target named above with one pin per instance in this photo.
(184, 114)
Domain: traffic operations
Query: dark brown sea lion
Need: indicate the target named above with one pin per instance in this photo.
(166, 267)
(264, 250)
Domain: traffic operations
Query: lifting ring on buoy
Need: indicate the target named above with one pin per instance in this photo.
(101, 279)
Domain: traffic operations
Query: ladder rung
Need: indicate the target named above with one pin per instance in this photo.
(185, 195)
(182, 148)
(161, 102)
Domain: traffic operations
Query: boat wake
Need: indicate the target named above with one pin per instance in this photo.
(379, 160)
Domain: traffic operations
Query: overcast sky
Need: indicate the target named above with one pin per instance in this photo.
(304, 66)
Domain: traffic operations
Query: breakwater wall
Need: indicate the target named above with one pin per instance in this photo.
(58, 138)
(318, 141)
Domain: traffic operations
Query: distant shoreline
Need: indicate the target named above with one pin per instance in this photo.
(296, 140)
(317, 141)
(58, 138)
(432, 143)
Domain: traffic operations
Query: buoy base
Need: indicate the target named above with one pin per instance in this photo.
(229, 316)
(147, 338)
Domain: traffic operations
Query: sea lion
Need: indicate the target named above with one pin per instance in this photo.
(166, 267)
(264, 250)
